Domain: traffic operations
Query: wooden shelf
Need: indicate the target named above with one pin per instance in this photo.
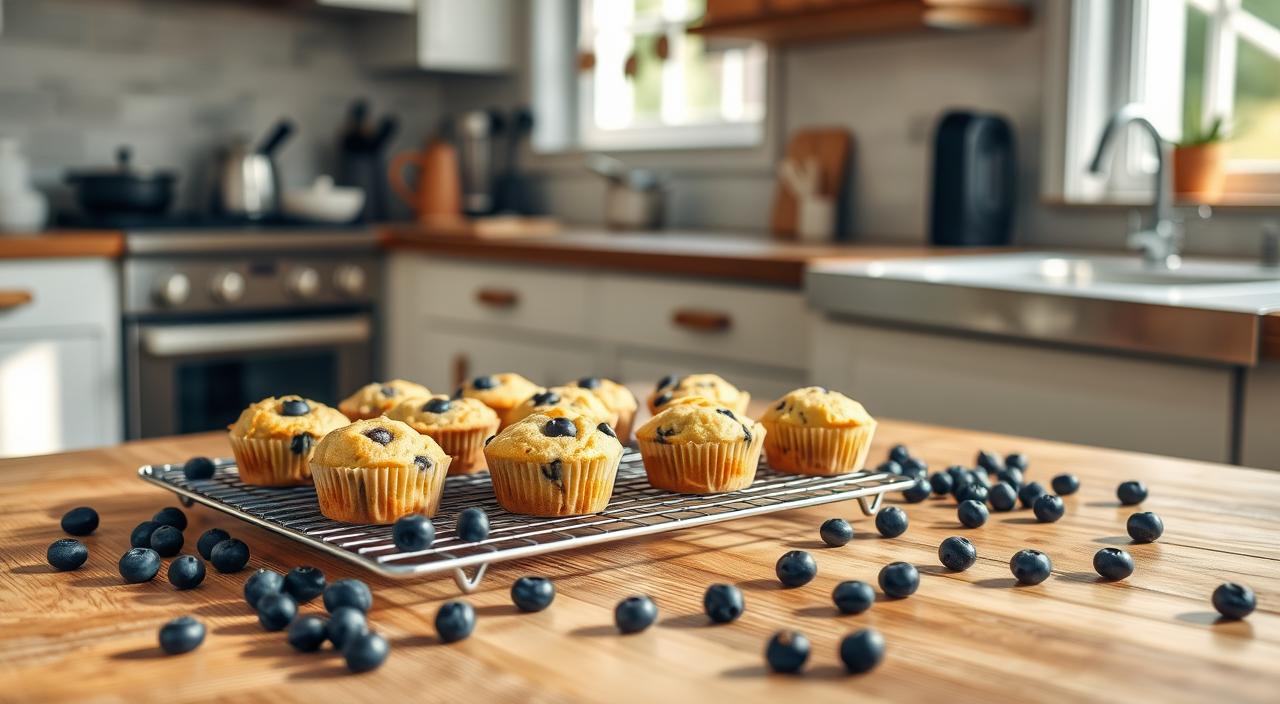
(868, 17)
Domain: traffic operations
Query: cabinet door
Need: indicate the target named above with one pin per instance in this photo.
(53, 396)
(446, 356)
(1260, 443)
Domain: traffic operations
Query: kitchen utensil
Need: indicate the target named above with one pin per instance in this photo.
(474, 133)
(23, 209)
(634, 199)
(974, 172)
(248, 181)
(438, 192)
(827, 146)
(123, 188)
(510, 193)
(361, 160)
(815, 217)
(324, 202)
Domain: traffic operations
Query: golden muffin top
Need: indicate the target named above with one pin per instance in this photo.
(373, 400)
(564, 401)
(441, 412)
(615, 396)
(709, 386)
(543, 438)
(379, 442)
(500, 392)
(697, 423)
(816, 407)
(285, 418)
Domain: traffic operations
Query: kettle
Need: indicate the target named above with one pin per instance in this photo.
(248, 180)
(437, 195)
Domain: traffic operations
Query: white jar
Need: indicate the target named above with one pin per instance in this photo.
(22, 208)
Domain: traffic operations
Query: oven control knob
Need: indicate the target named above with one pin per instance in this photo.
(173, 290)
(350, 280)
(303, 282)
(227, 286)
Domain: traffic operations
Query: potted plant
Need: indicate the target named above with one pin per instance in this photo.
(1198, 171)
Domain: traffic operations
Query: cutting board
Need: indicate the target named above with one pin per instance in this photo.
(830, 148)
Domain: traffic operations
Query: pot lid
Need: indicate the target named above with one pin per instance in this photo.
(123, 168)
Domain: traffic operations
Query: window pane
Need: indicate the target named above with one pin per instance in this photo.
(1256, 133)
(1266, 10)
(1193, 85)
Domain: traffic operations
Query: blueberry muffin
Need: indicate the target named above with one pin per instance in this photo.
(501, 392)
(561, 465)
(697, 448)
(709, 386)
(563, 401)
(817, 431)
(273, 439)
(616, 397)
(377, 470)
(374, 400)
(460, 425)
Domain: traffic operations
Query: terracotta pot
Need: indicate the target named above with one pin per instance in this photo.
(1198, 172)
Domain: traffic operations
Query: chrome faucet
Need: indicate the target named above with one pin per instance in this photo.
(1160, 244)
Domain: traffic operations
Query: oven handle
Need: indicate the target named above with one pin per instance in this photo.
(213, 338)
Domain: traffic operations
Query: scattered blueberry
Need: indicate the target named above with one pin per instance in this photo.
(862, 651)
(915, 468)
(1002, 497)
(973, 492)
(957, 553)
(899, 454)
(344, 623)
(531, 594)
(382, 436)
(1030, 566)
(958, 474)
(198, 468)
(66, 554)
(167, 541)
(1113, 563)
(141, 535)
(853, 597)
(560, 428)
(796, 568)
(989, 461)
(276, 610)
(787, 651)
(304, 583)
(473, 525)
(1131, 493)
(836, 532)
(181, 635)
(971, 514)
(295, 407)
(899, 579)
(366, 652)
(437, 405)
(1234, 601)
(1016, 460)
(890, 467)
(1029, 492)
(1011, 476)
(230, 555)
(348, 592)
(1145, 527)
(1048, 508)
(139, 565)
(208, 539)
(1065, 484)
(723, 603)
(891, 522)
(81, 520)
(308, 633)
(482, 383)
(917, 492)
(171, 516)
(455, 620)
(261, 583)
(980, 479)
(413, 532)
(186, 572)
(941, 482)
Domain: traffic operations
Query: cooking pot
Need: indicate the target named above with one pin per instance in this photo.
(123, 188)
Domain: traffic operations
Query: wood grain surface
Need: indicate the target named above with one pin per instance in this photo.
(972, 636)
(63, 243)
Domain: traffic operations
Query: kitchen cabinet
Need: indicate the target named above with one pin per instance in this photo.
(473, 37)
(1260, 417)
(59, 355)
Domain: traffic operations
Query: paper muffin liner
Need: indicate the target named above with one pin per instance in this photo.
(817, 451)
(378, 495)
(465, 446)
(270, 462)
(533, 489)
(702, 468)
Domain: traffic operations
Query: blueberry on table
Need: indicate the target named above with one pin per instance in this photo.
(1030, 566)
(1002, 497)
(915, 468)
(891, 522)
(308, 633)
(1113, 563)
(1131, 492)
(862, 650)
(140, 537)
(167, 541)
(261, 583)
(980, 479)
(1011, 476)
(889, 467)
(531, 594)
(276, 610)
(348, 592)
(899, 579)
(304, 583)
(989, 462)
(139, 565)
(853, 597)
(473, 525)
(366, 652)
(413, 532)
(186, 572)
(941, 483)
(345, 622)
(230, 555)
(917, 492)
(1029, 492)
(1065, 484)
(198, 468)
(1016, 460)
(723, 603)
(181, 635)
(1048, 508)
(80, 520)
(1145, 527)
(974, 492)
(208, 539)
(899, 453)
(787, 651)
(66, 554)
(971, 513)
(1234, 601)
(796, 568)
(455, 620)
(957, 553)
(295, 407)
(171, 516)
(836, 532)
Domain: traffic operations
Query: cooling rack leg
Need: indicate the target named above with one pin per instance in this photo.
(469, 584)
(870, 504)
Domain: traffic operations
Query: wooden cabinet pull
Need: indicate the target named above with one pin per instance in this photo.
(497, 297)
(702, 320)
(14, 299)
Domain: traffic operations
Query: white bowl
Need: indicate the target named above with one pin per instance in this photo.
(324, 202)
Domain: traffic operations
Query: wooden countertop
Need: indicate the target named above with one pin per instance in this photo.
(967, 636)
(63, 243)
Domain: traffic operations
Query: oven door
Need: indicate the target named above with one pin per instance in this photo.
(192, 377)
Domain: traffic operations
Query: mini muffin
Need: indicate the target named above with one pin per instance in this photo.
(817, 431)
(696, 448)
(708, 386)
(273, 439)
(460, 425)
(377, 470)
(563, 401)
(554, 466)
(373, 400)
(616, 397)
(501, 392)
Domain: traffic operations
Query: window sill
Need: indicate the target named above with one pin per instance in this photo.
(1231, 201)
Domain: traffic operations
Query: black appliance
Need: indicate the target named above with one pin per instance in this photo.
(974, 171)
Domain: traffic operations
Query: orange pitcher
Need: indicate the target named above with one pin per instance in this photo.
(437, 194)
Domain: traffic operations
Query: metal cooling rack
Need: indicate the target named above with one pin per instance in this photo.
(636, 509)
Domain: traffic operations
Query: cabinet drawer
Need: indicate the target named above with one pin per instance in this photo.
(44, 293)
(749, 324)
(547, 300)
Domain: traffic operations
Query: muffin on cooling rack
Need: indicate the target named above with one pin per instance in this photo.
(563, 401)
(273, 439)
(616, 397)
(459, 425)
(373, 400)
(694, 447)
(560, 465)
(501, 392)
(817, 431)
(709, 386)
(377, 470)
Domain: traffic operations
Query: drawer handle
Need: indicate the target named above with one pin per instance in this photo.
(702, 320)
(14, 299)
(497, 297)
